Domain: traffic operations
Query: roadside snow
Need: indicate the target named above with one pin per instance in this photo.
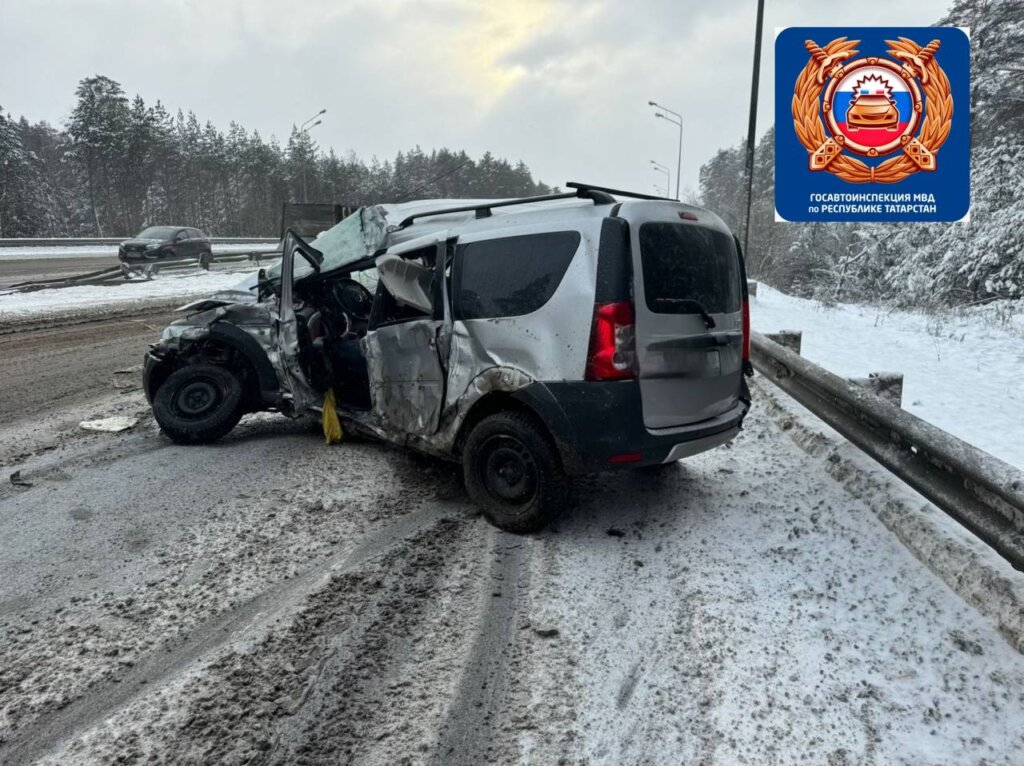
(164, 285)
(742, 608)
(961, 374)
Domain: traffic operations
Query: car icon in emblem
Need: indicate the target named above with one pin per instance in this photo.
(872, 110)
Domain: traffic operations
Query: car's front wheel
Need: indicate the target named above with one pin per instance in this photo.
(512, 472)
(198, 404)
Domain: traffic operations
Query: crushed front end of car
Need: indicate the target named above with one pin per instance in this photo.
(243, 350)
(232, 330)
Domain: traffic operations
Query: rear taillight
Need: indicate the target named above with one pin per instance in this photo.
(746, 330)
(612, 342)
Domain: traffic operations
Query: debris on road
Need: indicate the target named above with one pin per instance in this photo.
(111, 425)
(17, 481)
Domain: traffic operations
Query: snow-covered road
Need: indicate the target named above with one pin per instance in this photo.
(962, 374)
(271, 599)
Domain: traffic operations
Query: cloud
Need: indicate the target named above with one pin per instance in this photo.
(560, 84)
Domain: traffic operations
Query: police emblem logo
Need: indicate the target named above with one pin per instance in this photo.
(880, 124)
(872, 107)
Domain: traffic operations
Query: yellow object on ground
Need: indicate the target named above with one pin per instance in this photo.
(331, 424)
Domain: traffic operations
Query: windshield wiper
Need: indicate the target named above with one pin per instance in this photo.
(709, 321)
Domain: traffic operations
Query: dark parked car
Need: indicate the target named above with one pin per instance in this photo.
(163, 243)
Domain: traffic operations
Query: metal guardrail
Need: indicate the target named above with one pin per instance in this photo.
(80, 241)
(114, 274)
(977, 489)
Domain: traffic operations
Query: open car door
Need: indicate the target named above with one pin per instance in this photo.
(297, 259)
(408, 337)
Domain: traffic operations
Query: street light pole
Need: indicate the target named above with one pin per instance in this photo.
(305, 128)
(303, 125)
(668, 175)
(752, 124)
(678, 121)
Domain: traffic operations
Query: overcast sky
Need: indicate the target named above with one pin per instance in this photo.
(560, 84)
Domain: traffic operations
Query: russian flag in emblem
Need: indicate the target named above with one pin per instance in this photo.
(872, 106)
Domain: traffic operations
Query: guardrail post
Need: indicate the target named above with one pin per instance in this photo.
(791, 339)
(888, 385)
(751, 288)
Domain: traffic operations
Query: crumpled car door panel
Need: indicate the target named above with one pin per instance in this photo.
(406, 379)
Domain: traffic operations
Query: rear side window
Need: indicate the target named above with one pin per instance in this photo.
(511, 276)
(684, 263)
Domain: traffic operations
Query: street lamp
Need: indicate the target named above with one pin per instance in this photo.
(677, 120)
(658, 167)
(303, 125)
(305, 128)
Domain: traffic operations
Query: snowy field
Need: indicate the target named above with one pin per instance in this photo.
(960, 373)
(164, 285)
(42, 253)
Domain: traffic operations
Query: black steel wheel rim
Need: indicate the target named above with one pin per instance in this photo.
(197, 398)
(508, 469)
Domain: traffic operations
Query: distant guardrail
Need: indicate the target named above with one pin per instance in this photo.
(82, 241)
(977, 489)
(115, 275)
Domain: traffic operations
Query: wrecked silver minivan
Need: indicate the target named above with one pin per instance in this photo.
(528, 339)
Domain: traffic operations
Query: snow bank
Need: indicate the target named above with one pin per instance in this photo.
(961, 374)
(164, 285)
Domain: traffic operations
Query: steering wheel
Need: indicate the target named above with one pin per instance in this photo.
(354, 299)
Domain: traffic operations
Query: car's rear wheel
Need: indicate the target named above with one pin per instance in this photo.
(198, 404)
(512, 472)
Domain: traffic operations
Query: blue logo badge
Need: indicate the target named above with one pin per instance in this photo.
(872, 124)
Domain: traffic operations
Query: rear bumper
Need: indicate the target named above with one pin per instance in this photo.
(600, 426)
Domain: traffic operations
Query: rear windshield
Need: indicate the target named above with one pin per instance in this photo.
(683, 263)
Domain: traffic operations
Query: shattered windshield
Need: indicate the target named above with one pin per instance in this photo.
(358, 235)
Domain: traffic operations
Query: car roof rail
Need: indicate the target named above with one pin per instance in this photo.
(597, 194)
(586, 190)
(483, 210)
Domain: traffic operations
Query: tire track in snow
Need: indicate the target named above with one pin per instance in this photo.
(249, 619)
(468, 735)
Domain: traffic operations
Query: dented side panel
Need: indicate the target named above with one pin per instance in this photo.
(507, 354)
(548, 344)
(406, 379)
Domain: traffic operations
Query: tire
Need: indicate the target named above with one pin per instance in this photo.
(204, 260)
(512, 472)
(198, 404)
